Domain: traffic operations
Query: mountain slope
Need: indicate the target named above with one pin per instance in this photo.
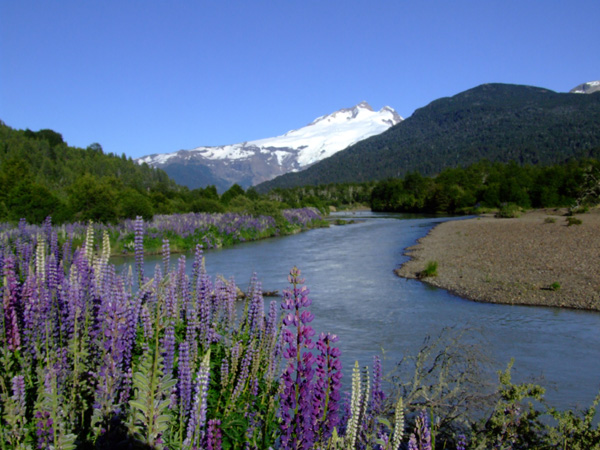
(252, 162)
(586, 88)
(499, 122)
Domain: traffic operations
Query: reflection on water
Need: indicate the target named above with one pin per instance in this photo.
(356, 295)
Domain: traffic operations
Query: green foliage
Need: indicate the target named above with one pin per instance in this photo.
(234, 191)
(508, 211)
(150, 404)
(554, 286)
(429, 271)
(573, 221)
(514, 424)
(40, 175)
(485, 186)
(549, 220)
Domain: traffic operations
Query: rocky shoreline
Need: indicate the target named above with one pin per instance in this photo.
(536, 259)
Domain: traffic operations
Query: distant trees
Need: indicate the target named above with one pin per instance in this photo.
(459, 190)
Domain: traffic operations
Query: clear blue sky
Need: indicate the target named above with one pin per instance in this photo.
(142, 77)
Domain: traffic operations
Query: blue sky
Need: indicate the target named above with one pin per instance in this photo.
(142, 77)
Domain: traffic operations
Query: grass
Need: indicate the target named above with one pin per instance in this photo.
(429, 271)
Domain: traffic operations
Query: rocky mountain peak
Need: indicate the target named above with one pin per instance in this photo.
(586, 88)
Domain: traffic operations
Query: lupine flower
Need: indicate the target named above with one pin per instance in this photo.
(296, 399)
(44, 429)
(243, 374)
(462, 442)
(11, 300)
(412, 442)
(378, 396)
(185, 377)
(355, 407)
(166, 255)
(423, 431)
(139, 248)
(398, 431)
(18, 388)
(168, 345)
(213, 436)
(195, 431)
(327, 386)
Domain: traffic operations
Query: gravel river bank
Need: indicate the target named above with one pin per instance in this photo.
(536, 259)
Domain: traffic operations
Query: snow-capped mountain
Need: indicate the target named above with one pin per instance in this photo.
(252, 162)
(586, 88)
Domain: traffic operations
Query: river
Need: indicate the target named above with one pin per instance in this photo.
(356, 295)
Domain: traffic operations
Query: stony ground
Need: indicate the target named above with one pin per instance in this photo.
(515, 261)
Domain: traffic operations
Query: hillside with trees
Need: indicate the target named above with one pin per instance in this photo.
(41, 175)
(497, 122)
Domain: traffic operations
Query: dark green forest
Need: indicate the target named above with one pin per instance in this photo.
(41, 175)
(487, 185)
(478, 187)
(497, 122)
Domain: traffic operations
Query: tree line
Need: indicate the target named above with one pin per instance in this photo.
(489, 185)
(483, 185)
(41, 176)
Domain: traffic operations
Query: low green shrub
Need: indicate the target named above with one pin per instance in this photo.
(508, 211)
(429, 271)
(549, 220)
(573, 221)
(555, 286)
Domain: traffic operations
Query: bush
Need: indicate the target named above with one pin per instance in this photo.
(549, 220)
(573, 221)
(429, 271)
(555, 286)
(508, 211)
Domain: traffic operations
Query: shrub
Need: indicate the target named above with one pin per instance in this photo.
(554, 286)
(549, 220)
(429, 271)
(573, 221)
(508, 211)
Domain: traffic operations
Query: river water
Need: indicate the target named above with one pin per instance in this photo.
(356, 295)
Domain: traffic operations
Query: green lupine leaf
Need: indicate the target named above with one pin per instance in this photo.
(137, 404)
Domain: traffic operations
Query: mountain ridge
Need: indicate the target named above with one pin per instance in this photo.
(495, 121)
(251, 162)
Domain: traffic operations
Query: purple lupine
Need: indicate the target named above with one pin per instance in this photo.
(271, 341)
(296, 397)
(213, 435)
(242, 378)
(139, 248)
(198, 264)
(195, 431)
(412, 442)
(327, 387)
(18, 389)
(224, 372)
(461, 444)
(423, 431)
(44, 429)
(256, 309)
(11, 300)
(168, 346)
(378, 395)
(203, 307)
(166, 255)
(185, 377)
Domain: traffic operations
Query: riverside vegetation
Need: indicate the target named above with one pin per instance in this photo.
(95, 359)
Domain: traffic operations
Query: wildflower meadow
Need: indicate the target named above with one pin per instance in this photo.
(95, 359)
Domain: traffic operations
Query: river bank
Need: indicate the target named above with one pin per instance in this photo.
(536, 259)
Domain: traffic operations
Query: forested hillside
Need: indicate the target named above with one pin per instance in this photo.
(497, 122)
(41, 175)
